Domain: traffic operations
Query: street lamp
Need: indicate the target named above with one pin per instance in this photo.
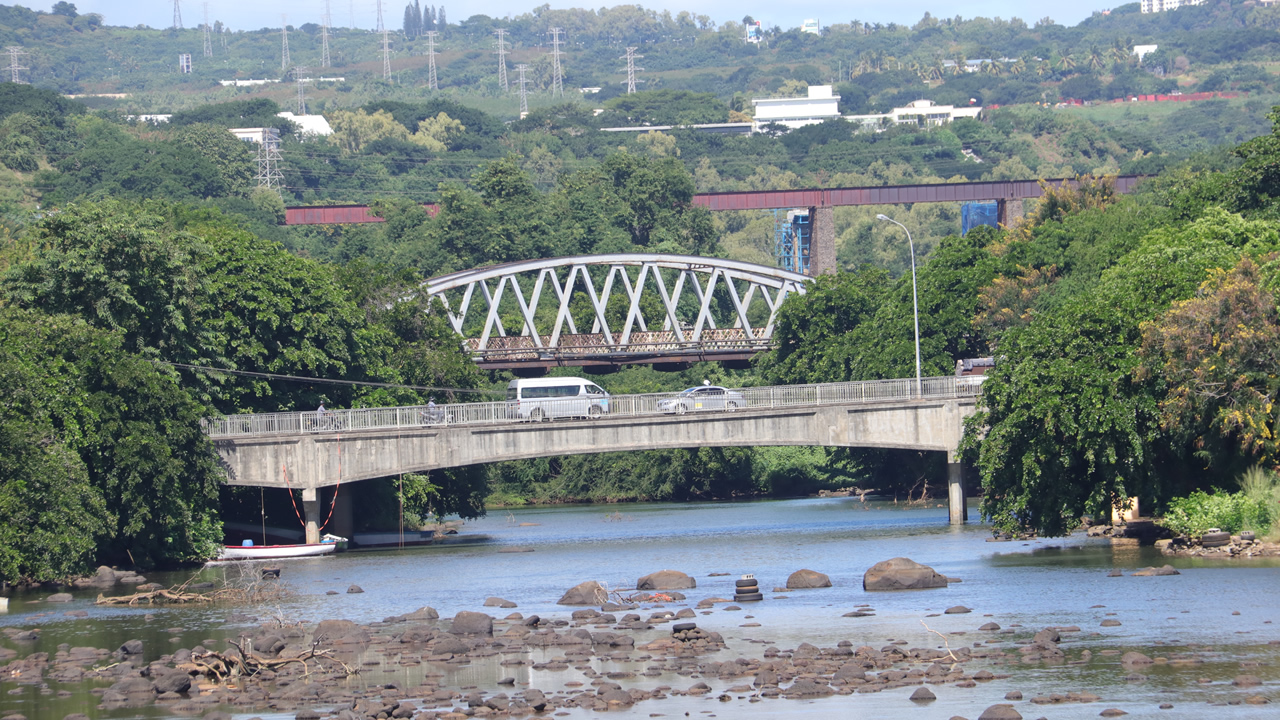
(915, 301)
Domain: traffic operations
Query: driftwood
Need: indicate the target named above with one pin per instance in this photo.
(158, 597)
(246, 663)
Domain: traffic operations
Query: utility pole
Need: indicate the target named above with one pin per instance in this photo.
(284, 44)
(177, 16)
(298, 74)
(631, 58)
(208, 39)
(14, 51)
(557, 76)
(502, 59)
(324, 37)
(386, 55)
(524, 94)
(269, 176)
(432, 83)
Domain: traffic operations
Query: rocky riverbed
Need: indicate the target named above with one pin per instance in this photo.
(650, 651)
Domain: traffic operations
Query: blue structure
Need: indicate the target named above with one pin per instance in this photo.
(791, 240)
(974, 214)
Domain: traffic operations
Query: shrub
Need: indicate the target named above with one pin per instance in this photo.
(1196, 513)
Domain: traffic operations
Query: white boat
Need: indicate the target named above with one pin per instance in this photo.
(274, 552)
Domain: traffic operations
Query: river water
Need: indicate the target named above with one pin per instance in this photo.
(1221, 611)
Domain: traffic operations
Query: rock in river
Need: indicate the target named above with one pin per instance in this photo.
(901, 574)
(587, 593)
(666, 580)
(807, 579)
(472, 623)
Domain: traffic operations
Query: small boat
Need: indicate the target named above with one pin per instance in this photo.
(275, 552)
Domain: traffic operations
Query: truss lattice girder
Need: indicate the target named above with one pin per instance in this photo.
(773, 284)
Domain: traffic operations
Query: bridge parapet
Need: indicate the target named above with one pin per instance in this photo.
(504, 412)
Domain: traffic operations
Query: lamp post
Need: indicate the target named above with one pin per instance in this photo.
(915, 300)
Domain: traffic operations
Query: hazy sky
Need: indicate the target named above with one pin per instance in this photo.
(254, 14)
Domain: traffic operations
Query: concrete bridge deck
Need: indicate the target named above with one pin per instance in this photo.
(309, 451)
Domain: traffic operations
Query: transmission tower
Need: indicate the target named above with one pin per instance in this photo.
(269, 175)
(298, 76)
(557, 76)
(631, 58)
(284, 44)
(380, 27)
(386, 55)
(502, 59)
(177, 16)
(524, 94)
(432, 84)
(208, 39)
(14, 51)
(324, 37)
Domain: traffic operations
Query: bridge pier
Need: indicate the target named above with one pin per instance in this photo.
(956, 502)
(822, 240)
(311, 511)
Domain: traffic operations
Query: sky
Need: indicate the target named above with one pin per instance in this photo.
(255, 14)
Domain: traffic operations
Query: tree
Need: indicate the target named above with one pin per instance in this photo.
(64, 8)
(1219, 355)
(436, 133)
(1071, 427)
(233, 157)
(354, 130)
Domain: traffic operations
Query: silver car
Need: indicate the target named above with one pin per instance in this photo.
(703, 397)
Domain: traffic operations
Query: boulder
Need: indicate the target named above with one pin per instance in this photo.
(1156, 571)
(666, 580)
(902, 574)
(498, 603)
(1000, 712)
(472, 623)
(59, 598)
(423, 613)
(131, 647)
(587, 593)
(174, 682)
(956, 610)
(353, 590)
(807, 579)
(923, 694)
(1135, 658)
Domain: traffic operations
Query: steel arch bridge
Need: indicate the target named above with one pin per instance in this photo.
(706, 309)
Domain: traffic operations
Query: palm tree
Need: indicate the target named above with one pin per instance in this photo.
(1066, 62)
(936, 68)
(1019, 66)
(961, 64)
(1043, 68)
(1095, 58)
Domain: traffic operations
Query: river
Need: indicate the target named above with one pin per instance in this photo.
(1221, 611)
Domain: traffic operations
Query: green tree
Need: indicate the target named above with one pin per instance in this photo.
(234, 159)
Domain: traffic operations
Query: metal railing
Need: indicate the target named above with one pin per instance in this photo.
(502, 412)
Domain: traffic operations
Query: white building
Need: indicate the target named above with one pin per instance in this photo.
(794, 112)
(920, 112)
(314, 125)
(811, 26)
(1144, 50)
(1155, 6)
(256, 135)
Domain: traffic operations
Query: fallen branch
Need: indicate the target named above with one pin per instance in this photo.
(944, 640)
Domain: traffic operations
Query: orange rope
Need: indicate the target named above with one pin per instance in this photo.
(334, 502)
(285, 472)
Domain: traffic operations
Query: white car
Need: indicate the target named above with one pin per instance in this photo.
(703, 397)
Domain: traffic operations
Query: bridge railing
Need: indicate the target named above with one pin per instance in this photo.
(502, 412)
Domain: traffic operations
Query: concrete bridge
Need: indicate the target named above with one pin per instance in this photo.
(308, 451)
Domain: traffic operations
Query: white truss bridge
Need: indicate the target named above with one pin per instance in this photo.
(614, 309)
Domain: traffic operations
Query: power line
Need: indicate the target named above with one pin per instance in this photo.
(557, 75)
(631, 58)
(298, 75)
(324, 381)
(524, 94)
(208, 40)
(386, 51)
(324, 36)
(432, 83)
(14, 51)
(502, 59)
(284, 43)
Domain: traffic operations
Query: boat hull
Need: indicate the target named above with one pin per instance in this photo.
(275, 552)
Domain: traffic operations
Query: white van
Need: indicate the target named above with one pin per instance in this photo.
(549, 398)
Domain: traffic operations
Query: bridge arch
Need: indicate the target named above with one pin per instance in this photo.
(694, 293)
